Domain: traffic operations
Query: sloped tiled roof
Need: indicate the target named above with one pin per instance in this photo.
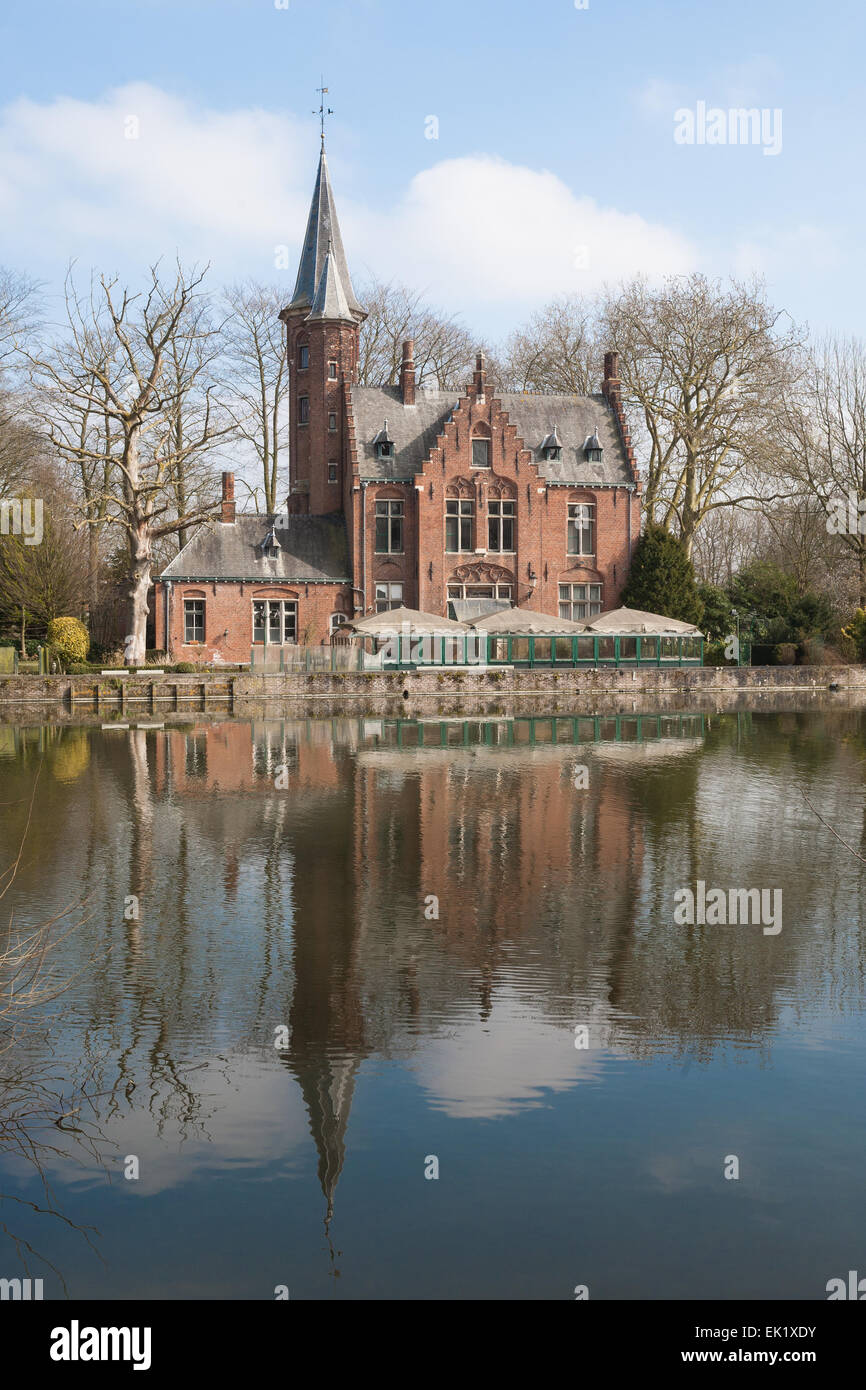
(323, 230)
(414, 430)
(330, 302)
(312, 548)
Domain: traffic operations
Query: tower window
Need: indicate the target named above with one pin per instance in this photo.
(332, 472)
(332, 421)
(332, 371)
(303, 357)
(303, 410)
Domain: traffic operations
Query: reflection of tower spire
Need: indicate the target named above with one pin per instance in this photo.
(327, 1084)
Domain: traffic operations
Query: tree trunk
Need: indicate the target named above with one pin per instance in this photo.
(23, 630)
(141, 560)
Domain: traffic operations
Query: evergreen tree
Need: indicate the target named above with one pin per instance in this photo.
(662, 579)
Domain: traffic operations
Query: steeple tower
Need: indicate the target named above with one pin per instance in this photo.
(322, 235)
(322, 321)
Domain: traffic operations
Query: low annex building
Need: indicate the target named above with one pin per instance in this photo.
(403, 497)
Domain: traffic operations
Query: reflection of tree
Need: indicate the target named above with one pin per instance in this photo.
(305, 905)
(40, 1119)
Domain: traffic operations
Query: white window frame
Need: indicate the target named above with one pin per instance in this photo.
(496, 517)
(461, 510)
(580, 601)
(481, 439)
(581, 515)
(388, 595)
(196, 603)
(283, 605)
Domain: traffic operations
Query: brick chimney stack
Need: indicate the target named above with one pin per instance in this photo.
(479, 378)
(228, 504)
(407, 372)
(611, 386)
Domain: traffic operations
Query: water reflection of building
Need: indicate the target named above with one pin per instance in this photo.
(487, 816)
(306, 904)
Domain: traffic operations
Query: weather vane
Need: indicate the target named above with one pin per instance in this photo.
(323, 110)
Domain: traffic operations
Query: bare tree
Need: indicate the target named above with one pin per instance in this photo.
(822, 439)
(18, 313)
(20, 444)
(704, 368)
(255, 351)
(122, 374)
(444, 348)
(556, 351)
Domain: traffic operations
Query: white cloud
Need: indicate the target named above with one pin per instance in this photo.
(491, 231)
(229, 187)
(789, 250)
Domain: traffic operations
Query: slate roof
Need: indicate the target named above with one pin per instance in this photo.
(331, 301)
(323, 232)
(414, 430)
(312, 548)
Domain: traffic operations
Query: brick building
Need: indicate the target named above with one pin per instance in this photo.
(402, 496)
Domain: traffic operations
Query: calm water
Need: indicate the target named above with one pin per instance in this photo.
(288, 1034)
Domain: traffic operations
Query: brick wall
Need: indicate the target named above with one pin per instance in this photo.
(313, 446)
(541, 561)
(229, 607)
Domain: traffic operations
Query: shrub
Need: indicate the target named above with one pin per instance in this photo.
(661, 579)
(714, 655)
(79, 668)
(185, 668)
(718, 619)
(854, 634)
(69, 638)
(785, 654)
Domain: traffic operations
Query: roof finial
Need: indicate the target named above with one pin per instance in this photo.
(323, 110)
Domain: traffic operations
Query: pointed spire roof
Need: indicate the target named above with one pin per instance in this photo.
(331, 300)
(323, 233)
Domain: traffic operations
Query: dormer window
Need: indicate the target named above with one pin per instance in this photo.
(592, 448)
(270, 546)
(551, 445)
(383, 444)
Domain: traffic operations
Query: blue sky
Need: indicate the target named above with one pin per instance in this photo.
(555, 168)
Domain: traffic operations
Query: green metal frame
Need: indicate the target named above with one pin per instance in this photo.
(529, 730)
(648, 651)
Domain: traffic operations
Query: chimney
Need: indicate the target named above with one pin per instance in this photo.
(480, 376)
(610, 386)
(228, 506)
(407, 372)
